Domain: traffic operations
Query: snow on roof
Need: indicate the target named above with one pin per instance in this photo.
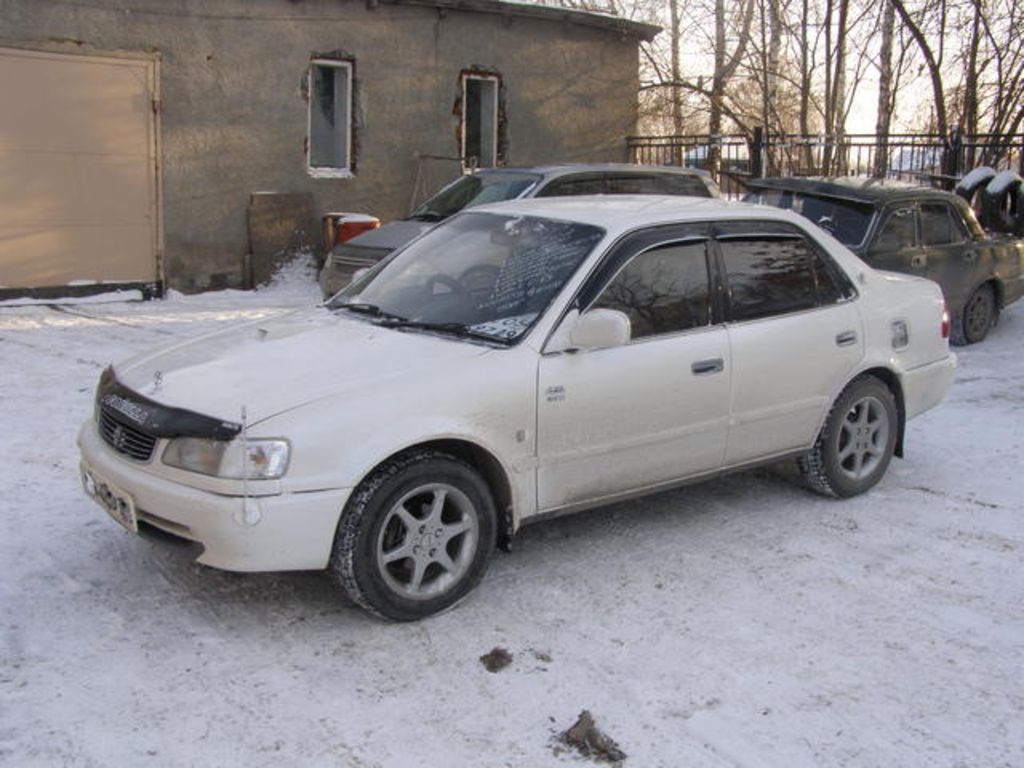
(624, 212)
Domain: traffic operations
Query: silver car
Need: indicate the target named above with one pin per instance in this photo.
(497, 184)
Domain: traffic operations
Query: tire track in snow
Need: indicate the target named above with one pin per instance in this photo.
(112, 320)
(49, 350)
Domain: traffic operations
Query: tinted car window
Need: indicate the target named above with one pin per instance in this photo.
(768, 276)
(897, 232)
(663, 290)
(473, 190)
(667, 184)
(846, 220)
(831, 285)
(574, 185)
(938, 226)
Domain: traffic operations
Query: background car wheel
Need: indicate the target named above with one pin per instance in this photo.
(978, 316)
(856, 444)
(415, 537)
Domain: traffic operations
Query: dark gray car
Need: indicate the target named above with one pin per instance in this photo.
(496, 184)
(915, 230)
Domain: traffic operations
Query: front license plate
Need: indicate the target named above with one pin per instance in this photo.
(119, 505)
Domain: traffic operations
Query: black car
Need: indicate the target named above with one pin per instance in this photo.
(915, 230)
(496, 184)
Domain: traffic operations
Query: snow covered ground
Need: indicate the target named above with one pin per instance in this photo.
(742, 622)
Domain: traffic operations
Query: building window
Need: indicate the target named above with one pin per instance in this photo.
(330, 118)
(479, 129)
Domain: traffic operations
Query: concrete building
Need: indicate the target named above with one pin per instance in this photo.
(159, 142)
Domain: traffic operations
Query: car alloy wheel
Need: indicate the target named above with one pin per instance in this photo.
(428, 541)
(863, 438)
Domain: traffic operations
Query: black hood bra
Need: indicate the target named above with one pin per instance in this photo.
(156, 419)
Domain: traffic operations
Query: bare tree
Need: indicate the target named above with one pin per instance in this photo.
(883, 120)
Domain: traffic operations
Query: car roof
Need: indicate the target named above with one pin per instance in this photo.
(858, 189)
(621, 213)
(568, 169)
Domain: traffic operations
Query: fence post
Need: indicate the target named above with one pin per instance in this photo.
(757, 146)
(954, 160)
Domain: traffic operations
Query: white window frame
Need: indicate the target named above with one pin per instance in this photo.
(466, 77)
(320, 171)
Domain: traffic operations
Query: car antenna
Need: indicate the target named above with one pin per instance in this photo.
(245, 468)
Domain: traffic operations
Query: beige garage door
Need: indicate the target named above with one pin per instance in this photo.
(78, 200)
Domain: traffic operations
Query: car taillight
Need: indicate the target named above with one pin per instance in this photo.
(945, 321)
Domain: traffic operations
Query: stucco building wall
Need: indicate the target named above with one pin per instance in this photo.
(233, 111)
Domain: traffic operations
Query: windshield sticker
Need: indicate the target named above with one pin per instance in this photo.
(506, 327)
(540, 262)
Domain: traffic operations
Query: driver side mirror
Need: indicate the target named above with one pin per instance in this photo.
(594, 329)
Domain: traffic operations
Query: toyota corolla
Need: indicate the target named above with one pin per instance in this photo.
(521, 360)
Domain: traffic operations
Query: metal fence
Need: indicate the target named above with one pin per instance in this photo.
(924, 158)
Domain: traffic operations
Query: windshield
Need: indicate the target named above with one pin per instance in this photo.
(474, 190)
(847, 221)
(477, 275)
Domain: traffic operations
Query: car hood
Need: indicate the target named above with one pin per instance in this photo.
(274, 365)
(392, 235)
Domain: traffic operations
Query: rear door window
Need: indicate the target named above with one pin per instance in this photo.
(767, 276)
(772, 268)
(938, 226)
(897, 231)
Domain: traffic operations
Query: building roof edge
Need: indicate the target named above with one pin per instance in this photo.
(618, 24)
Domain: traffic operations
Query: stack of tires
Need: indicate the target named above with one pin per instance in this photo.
(997, 198)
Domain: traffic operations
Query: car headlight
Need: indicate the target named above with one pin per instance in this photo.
(237, 460)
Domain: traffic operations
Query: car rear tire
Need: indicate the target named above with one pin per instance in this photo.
(415, 537)
(977, 318)
(856, 444)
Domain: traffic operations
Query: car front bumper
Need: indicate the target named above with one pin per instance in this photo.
(288, 531)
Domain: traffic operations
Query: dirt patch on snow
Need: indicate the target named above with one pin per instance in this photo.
(496, 660)
(585, 737)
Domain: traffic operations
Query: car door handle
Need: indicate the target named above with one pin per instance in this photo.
(970, 257)
(917, 261)
(707, 367)
(846, 338)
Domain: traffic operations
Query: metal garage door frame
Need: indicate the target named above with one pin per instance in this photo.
(152, 61)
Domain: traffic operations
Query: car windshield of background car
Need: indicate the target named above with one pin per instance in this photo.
(474, 190)
(482, 274)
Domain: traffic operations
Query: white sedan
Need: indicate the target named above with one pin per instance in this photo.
(520, 360)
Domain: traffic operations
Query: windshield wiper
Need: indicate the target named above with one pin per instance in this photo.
(390, 320)
(363, 308)
(460, 330)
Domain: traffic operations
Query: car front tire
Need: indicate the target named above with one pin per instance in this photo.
(856, 444)
(415, 537)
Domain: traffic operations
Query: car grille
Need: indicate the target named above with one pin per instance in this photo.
(127, 440)
(352, 262)
(351, 258)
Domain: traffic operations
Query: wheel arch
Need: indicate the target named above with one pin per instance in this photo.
(997, 291)
(483, 461)
(892, 382)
